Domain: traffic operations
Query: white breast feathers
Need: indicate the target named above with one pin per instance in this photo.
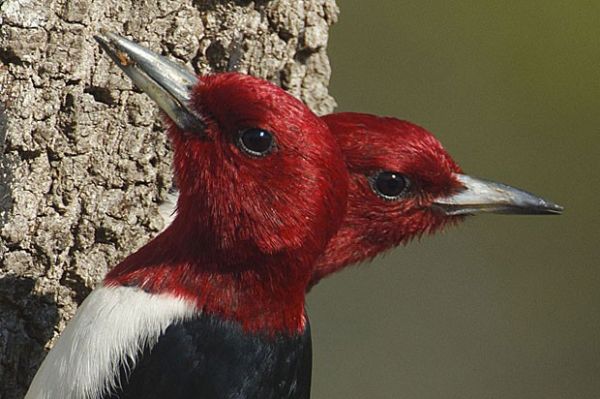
(110, 329)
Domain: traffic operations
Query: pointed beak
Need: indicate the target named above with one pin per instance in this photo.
(167, 83)
(478, 196)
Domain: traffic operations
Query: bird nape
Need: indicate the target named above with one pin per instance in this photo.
(213, 307)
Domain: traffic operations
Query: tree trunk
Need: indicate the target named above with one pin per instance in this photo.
(85, 161)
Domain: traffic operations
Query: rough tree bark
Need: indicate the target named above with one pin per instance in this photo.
(84, 160)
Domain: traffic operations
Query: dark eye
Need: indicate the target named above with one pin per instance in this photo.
(389, 185)
(255, 141)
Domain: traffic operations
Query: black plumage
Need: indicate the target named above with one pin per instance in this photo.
(210, 358)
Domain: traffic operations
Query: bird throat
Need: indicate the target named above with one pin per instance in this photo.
(264, 295)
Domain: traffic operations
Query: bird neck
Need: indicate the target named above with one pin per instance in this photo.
(358, 241)
(264, 293)
(347, 247)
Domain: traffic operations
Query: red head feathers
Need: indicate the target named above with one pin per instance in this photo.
(404, 184)
(263, 188)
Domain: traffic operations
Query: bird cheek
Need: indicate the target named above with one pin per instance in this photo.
(436, 220)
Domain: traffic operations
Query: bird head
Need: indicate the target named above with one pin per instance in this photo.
(404, 184)
(262, 182)
(263, 175)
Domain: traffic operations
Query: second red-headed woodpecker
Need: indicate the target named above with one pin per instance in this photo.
(404, 184)
(213, 307)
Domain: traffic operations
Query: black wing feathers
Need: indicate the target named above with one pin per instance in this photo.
(209, 358)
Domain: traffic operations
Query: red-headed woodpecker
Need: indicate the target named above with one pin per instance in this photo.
(213, 307)
(404, 184)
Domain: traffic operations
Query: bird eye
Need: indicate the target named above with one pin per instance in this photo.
(389, 185)
(256, 142)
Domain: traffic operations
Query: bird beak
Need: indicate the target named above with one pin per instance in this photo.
(167, 83)
(478, 196)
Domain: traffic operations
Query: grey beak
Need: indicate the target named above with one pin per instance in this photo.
(480, 195)
(166, 82)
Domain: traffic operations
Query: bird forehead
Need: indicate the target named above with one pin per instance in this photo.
(408, 152)
(242, 92)
(238, 101)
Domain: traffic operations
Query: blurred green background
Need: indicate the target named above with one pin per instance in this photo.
(501, 306)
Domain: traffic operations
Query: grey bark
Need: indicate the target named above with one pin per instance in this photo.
(85, 162)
